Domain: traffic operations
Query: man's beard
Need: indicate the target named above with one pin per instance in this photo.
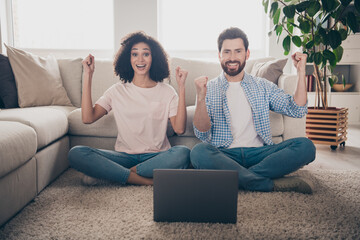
(233, 73)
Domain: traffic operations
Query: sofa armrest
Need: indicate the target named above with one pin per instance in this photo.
(293, 127)
(288, 83)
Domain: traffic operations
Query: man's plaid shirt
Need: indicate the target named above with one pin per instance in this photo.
(262, 95)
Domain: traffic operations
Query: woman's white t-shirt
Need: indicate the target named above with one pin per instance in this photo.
(141, 115)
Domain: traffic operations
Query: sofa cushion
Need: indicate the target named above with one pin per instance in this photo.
(49, 124)
(270, 70)
(8, 91)
(276, 124)
(251, 62)
(195, 69)
(71, 74)
(189, 131)
(37, 79)
(103, 78)
(17, 145)
(104, 127)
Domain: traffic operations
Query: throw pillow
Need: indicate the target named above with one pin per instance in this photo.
(38, 79)
(270, 70)
(8, 91)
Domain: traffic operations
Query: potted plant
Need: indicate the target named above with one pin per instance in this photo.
(318, 27)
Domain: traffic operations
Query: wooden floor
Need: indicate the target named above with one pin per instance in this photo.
(343, 158)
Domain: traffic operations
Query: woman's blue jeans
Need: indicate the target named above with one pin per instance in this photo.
(115, 166)
(256, 166)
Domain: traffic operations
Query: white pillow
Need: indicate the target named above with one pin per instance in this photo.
(37, 79)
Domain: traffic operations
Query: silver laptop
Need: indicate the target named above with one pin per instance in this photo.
(191, 195)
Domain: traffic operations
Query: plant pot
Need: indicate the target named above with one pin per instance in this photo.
(327, 126)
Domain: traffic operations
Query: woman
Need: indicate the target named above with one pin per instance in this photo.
(142, 105)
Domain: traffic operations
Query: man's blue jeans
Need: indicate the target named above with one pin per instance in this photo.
(115, 166)
(257, 166)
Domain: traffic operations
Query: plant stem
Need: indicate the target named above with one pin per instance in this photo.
(319, 91)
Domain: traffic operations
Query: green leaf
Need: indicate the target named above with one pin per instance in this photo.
(328, 55)
(343, 34)
(278, 30)
(318, 58)
(273, 8)
(304, 26)
(309, 45)
(338, 13)
(296, 40)
(276, 17)
(286, 44)
(329, 5)
(324, 36)
(317, 39)
(343, 80)
(334, 39)
(265, 3)
(351, 20)
(357, 5)
(310, 59)
(302, 6)
(345, 3)
(290, 28)
(289, 11)
(331, 82)
(313, 8)
(338, 53)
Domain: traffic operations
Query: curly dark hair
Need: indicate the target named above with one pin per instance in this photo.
(159, 69)
(232, 33)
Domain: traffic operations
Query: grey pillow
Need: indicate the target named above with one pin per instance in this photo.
(37, 79)
(270, 70)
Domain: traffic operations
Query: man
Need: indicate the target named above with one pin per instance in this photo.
(232, 120)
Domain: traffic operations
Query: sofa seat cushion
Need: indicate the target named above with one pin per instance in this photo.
(189, 131)
(17, 145)
(49, 123)
(104, 127)
(276, 124)
(65, 109)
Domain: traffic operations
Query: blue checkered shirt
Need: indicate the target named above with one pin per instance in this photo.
(262, 95)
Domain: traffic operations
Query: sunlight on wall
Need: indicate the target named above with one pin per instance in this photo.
(65, 24)
(195, 25)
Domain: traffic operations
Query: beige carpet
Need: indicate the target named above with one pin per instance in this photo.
(68, 210)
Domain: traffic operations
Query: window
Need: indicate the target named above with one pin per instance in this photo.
(190, 28)
(65, 24)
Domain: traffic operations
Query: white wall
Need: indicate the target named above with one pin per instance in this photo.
(133, 16)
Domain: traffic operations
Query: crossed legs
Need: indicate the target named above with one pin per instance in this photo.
(126, 168)
(257, 167)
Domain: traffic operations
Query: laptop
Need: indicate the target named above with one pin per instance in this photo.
(191, 195)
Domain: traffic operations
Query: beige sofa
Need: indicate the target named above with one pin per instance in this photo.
(34, 141)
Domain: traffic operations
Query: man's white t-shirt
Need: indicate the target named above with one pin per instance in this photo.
(141, 115)
(242, 124)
